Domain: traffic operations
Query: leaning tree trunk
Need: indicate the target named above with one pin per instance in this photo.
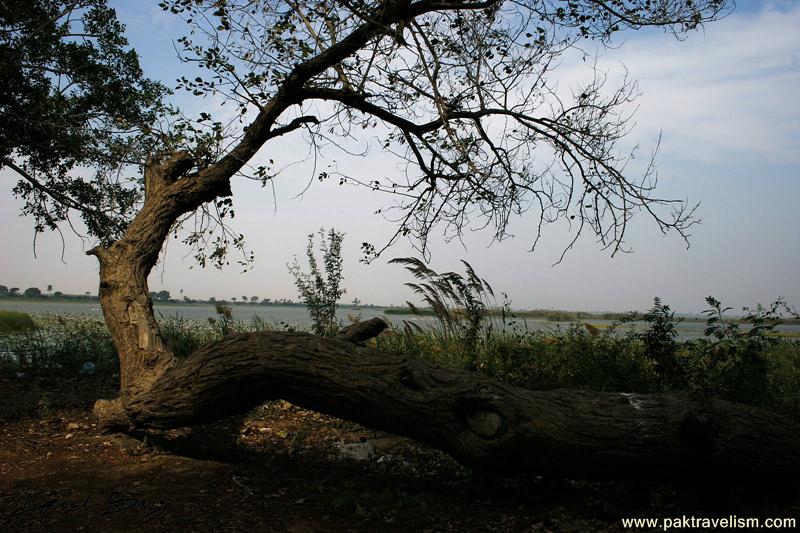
(126, 264)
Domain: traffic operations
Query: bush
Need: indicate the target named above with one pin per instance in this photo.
(321, 293)
(660, 345)
(15, 322)
(183, 337)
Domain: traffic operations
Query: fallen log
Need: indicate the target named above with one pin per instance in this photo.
(481, 422)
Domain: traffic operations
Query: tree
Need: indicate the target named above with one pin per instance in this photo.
(3, 291)
(33, 292)
(462, 92)
(321, 292)
(160, 296)
(13, 291)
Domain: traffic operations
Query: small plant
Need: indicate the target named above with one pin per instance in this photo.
(734, 364)
(225, 314)
(45, 407)
(764, 320)
(321, 292)
(183, 337)
(659, 340)
(508, 318)
(717, 325)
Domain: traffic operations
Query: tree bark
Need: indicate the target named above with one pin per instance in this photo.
(479, 421)
(124, 268)
(362, 331)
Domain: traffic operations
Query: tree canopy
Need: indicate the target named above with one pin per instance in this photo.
(462, 92)
(75, 106)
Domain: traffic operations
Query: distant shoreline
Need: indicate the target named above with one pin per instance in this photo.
(548, 315)
(84, 299)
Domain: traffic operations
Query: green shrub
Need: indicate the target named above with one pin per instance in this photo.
(660, 344)
(783, 377)
(321, 293)
(15, 322)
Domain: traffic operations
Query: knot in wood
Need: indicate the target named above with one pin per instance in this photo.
(484, 423)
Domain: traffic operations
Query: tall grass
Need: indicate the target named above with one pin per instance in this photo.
(184, 336)
(460, 307)
(60, 343)
(66, 342)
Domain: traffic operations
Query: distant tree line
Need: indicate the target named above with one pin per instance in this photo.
(163, 296)
(36, 292)
(166, 296)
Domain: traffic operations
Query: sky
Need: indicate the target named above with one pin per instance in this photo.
(724, 101)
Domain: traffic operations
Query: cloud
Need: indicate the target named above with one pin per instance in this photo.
(726, 95)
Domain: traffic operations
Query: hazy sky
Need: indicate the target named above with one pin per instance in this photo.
(725, 99)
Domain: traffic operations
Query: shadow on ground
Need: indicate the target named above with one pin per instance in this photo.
(282, 468)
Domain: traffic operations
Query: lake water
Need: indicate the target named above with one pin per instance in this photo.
(272, 314)
(298, 315)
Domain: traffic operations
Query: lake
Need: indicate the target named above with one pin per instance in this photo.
(272, 314)
(298, 315)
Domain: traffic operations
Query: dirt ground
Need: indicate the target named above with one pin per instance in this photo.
(282, 468)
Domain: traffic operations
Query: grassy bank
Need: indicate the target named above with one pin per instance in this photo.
(750, 366)
(551, 315)
(763, 372)
(558, 315)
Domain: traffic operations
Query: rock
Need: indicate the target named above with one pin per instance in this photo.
(87, 369)
(73, 426)
(389, 443)
(68, 436)
(360, 451)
